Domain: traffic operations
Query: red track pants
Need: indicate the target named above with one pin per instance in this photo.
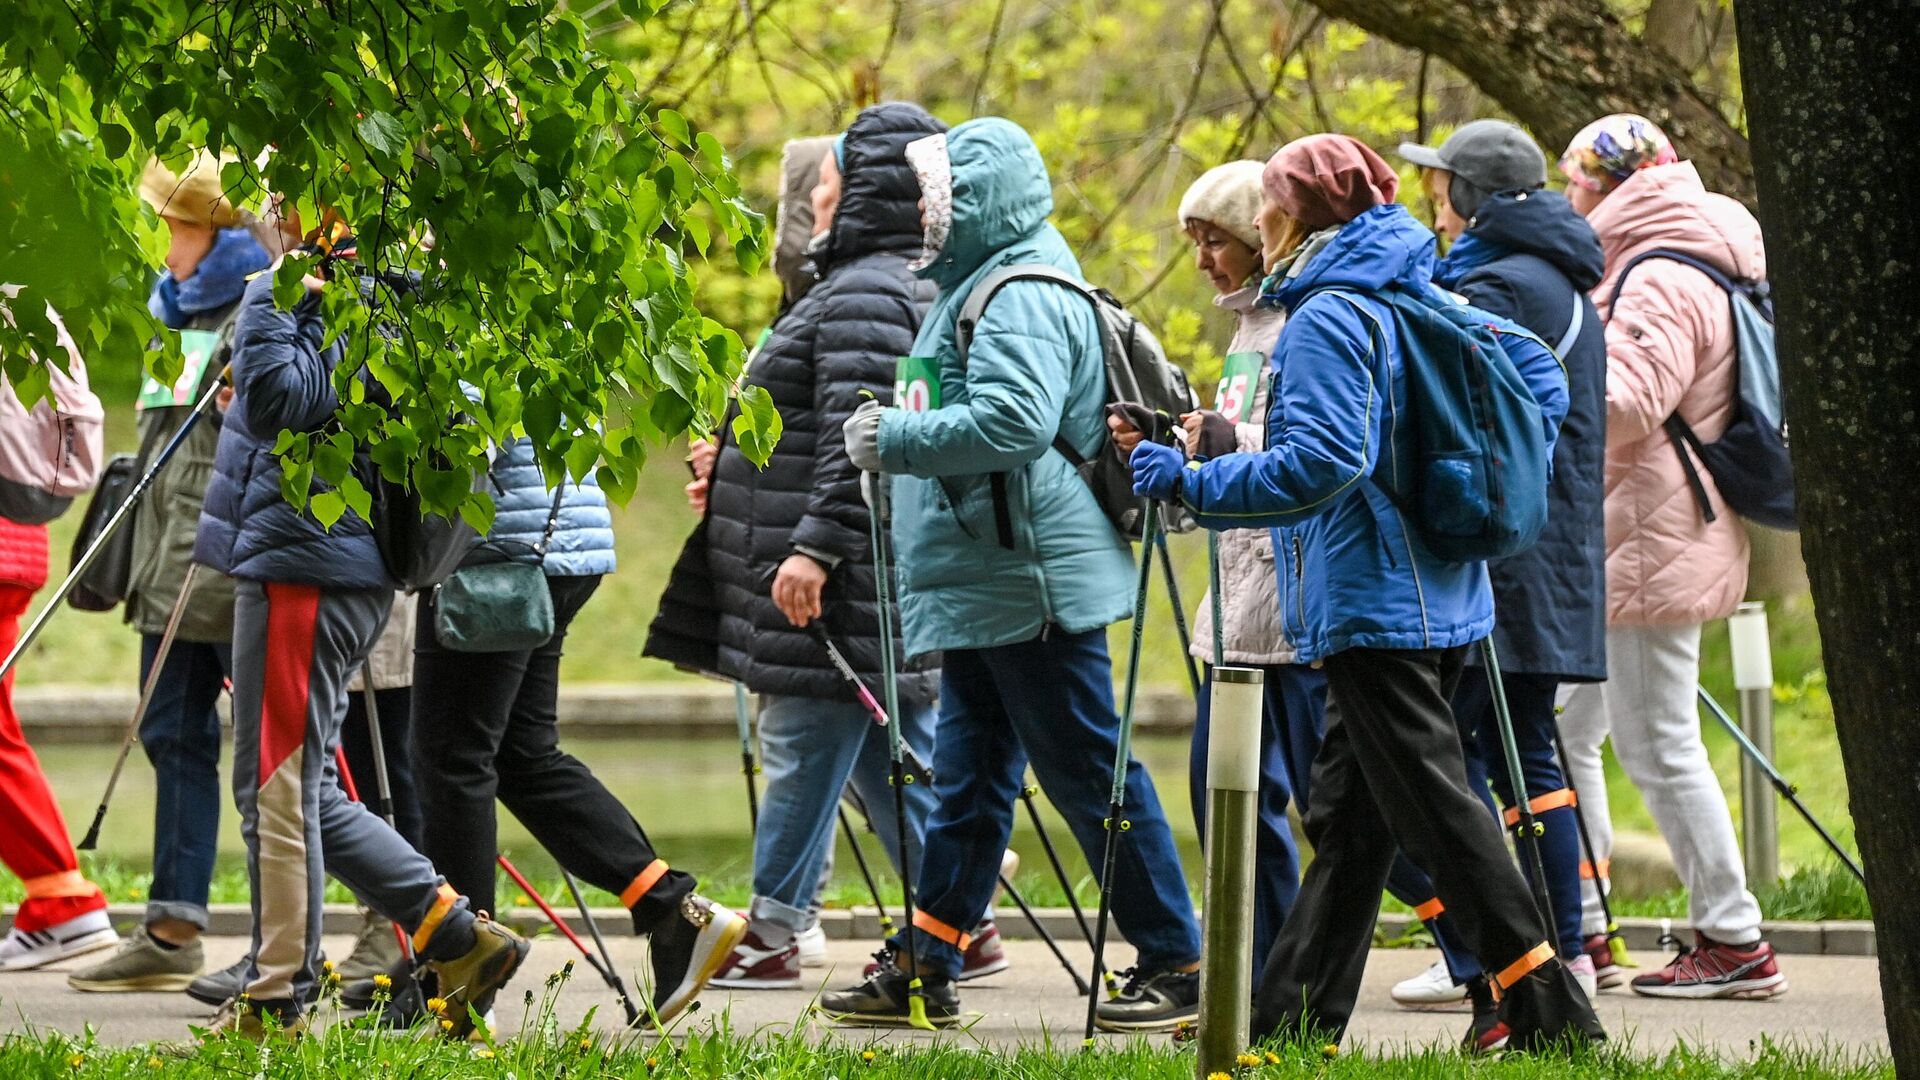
(34, 842)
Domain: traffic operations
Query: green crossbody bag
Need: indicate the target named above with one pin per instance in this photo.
(498, 600)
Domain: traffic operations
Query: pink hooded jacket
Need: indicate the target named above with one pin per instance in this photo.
(1670, 348)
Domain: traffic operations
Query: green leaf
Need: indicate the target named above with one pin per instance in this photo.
(326, 507)
(290, 281)
(757, 429)
(115, 140)
(382, 132)
(674, 126)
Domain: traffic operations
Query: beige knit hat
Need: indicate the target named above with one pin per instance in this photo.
(1229, 197)
(194, 196)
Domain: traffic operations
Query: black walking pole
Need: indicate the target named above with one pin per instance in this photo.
(92, 839)
(1526, 827)
(383, 791)
(860, 860)
(608, 972)
(1079, 984)
(113, 522)
(747, 766)
(1616, 944)
(1123, 753)
(604, 970)
(1787, 791)
(1179, 614)
(1066, 884)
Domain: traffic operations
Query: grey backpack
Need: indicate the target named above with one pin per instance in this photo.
(1138, 372)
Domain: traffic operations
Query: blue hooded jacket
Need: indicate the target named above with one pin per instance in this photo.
(1352, 572)
(582, 531)
(1036, 367)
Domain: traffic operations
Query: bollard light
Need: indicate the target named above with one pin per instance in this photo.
(1753, 677)
(1226, 931)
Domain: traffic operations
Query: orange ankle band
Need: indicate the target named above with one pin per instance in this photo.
(643, 882)
(435, 914)
(63, 883)
(1606, 867)
(955, 938)
(1430, 910)
(1552, 800)
(1517, 970)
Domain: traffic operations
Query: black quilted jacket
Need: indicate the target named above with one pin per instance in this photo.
(843, 337)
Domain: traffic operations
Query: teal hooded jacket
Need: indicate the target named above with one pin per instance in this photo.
(971, 576)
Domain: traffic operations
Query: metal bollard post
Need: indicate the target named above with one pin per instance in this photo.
(1753, 677)
(1233, 808)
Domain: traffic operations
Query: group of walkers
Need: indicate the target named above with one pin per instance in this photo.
(1381, 724)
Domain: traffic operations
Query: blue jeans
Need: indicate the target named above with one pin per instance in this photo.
(1291, 726)
(810, 749)
(1049, 700)
(180, 733)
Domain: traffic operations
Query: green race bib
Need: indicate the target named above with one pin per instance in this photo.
(197, 347)
(916, 386)
(1240, 376)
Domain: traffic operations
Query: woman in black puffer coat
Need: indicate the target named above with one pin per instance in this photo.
(788, 544)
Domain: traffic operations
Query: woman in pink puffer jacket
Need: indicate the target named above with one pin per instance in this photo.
(1670, 349)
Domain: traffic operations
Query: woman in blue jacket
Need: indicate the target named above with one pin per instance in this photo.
(1389, 621)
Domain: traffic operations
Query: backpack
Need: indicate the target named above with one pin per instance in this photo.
(1474, 486)
(1138, 372)
(53, 451)
(106, 580)
(1749, 461)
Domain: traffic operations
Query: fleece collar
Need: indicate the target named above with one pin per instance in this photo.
(934, 169)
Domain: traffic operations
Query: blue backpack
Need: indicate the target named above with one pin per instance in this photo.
(1749, 460)
(1475, 484)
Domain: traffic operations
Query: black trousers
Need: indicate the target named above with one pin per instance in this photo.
(1389, 775)
(396, 727)
(486, 727)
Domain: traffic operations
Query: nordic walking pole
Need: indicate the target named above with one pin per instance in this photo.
(1122, 754)
(608, 972)
(747, 767)
(147, 688)
(1529, 829)
(1787, 791)
(605, 972)
(1179, 614)
(879, 522)
(113, 523)
(382, 786)
(1079, 984)
(1616, 944)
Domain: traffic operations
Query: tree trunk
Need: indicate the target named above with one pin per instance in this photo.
(1558, 64)
(1834, 109)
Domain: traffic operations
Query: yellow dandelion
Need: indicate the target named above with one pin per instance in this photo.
(383, 981)
(76, 1061)
(1247, 1061)
(446, 1025)
(586, 1044)
(326, 965)
(1330, 1051)
(333, 978)
(867, 1056)
(154, 1062)
(1273, 1058)
(436, 1005)
(652, 1064)
(483, 1052)
(1218, 1076)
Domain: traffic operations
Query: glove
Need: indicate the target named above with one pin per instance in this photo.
(1142, 419)
(1156, 471)
(862, 431)
(1215, 438)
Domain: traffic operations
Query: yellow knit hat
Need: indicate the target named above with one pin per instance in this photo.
(194, 196)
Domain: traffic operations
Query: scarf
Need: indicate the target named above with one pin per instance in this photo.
(1292, 266)
(218, 281)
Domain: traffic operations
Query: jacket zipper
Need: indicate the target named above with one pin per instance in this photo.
(1300, 583)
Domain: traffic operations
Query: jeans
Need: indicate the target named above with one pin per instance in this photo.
(1049, 700)
(486, 726)
(180, 733)
(1649, 705)
(395, 706)
(1290, 727)
(812, 748)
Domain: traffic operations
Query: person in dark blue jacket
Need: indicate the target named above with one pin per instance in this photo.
(1523, 252)
(1389, 621)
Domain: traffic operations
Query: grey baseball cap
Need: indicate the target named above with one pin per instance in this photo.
(1492, 155)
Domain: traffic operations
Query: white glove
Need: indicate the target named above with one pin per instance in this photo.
(862, 431)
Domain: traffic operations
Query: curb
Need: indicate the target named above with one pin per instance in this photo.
(1830, 938)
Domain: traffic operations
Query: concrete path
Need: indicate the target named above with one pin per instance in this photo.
(1834, 1001)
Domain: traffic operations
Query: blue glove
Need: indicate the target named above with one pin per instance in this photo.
(1156, 471)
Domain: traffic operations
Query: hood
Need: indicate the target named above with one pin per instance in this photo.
(1666, 206)
(1381, 247)
(793, 215)
(1540, 223)
(879, 198)
(218, 281)
(1001, 195)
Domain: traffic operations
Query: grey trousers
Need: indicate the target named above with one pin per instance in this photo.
(294, 649)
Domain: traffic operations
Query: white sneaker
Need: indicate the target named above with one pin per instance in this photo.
(1433, 988)
(24, 950)
(813, 946)
(1585, 975)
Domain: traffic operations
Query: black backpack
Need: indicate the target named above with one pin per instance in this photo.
(1749, 461)
(1138, 372)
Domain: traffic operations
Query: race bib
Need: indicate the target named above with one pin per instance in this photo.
(1240, 377)
(196, 346)
(916, 386)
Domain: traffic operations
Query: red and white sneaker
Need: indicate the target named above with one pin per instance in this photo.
(25, 950)
(1713, 970)
(753, 965)
(985, 955)
(1606, 973)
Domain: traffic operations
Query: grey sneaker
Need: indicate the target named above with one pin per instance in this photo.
(140, 964)
(375, 950)
(1152, 1001)
(218, 987)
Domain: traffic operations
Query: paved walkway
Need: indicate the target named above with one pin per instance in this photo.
(1834, 1000)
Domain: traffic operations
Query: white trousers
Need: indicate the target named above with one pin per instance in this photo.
(1648, 704)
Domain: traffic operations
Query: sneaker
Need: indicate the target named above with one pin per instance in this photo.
(985, 955)
(882, 1000)
(1547, 1011)
(142, 964)
(1486, 1034)
(1433, 988)
(1713, 970)
(375, 950)
(25, 950)
(812, 943)
(1152, 1001)
(216, 988)
(471, 978)
(754, 965)
(688, 950)
(1607, 973)
(1581, 967)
